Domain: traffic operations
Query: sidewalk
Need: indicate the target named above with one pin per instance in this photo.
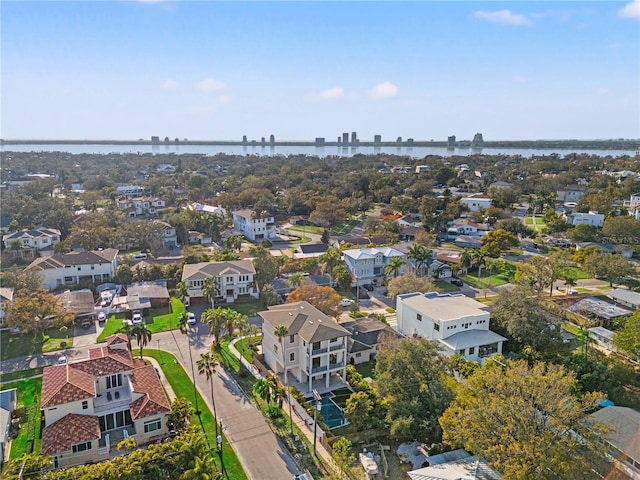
(304, 425)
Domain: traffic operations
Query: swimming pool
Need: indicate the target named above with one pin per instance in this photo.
(332, 414)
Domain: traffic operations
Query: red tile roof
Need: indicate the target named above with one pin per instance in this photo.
(61, 384)
(154, 400)
(71, 429)
(118, 338)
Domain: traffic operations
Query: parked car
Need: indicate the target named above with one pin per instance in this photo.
(102, 317)
(62, 360)
(457, 282)
(136, 318)
(191, 318)
(345, 302)
(369, 287)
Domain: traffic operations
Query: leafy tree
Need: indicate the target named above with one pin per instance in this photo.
(341, 454)
(325, 299)
(581, 255)
(359, 411)
(124, 274)
(410, 382)
(268, 296)
(394, 266)
(329, 260)
(520, 418)
(419, 255)
(342, 277)
(35, 311)
(497, 241)
(627, 339)
(296, 280)
(327, 214)
(408, 283)
(583, 233)
(540, 271)
(325, 236)
(207, 367)
(28, 280)
(232, 320)
(142, 335)
(265, 264)
(610, 266)
(518, 313)
(622, 229)
(515, 227)
(180, 414)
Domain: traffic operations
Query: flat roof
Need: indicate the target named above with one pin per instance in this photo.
(443, 307)
(598, 307)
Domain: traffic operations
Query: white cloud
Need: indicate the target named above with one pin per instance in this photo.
(504, 17)
(170, 84)
(384, 90)
(211, 85)
(332, 93)
(630, 10)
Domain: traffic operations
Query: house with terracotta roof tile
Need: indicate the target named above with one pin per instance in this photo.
(90, 405)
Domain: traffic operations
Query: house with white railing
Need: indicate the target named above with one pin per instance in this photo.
(315, 349)
(233, 279)
(90, 405)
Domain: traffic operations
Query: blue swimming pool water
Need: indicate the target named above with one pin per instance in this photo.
(332, 415)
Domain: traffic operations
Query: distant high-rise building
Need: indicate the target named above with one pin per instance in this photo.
(272, 140)
(410, 141)
(451, 141)
(339, 141)
(263, 142)
(155, 139)
(320, 141)
(377, 139)
(478, 141)
(399, 141)
(354, 139)
(244, 140)
(345, 139)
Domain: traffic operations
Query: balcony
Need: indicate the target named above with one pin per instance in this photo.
(333, 348)
(112, 399)
(318, 351)
(333, 366)
(111, 438)
(321, 368)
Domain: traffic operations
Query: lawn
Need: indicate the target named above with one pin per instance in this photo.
(13, 376)
(155, 324)
(306, 229)
(247, 308)
(12, 346)
(29, 400)
(367, 369)
(242, 346)
(573, 272)
(183, 387)
(446, 287)
(505, 274)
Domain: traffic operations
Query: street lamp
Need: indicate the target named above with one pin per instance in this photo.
(219, 442)
(317, 396)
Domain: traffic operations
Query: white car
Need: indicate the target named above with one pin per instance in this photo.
(345, 302)
(191, 318)
(62, 360)
(102, 317)
(136, 318)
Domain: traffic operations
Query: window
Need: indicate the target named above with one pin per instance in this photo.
(93, 267)
(419, 317)
(81, 447)
(275, 347)
(461, 352)
(152, 426)
(114, 381)
(333, 340)
(85, 404)
(358, 355)
(436, 327)
(292, 357)
(292, 338)
(472, 350)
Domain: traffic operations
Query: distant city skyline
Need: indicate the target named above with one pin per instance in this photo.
(201, 70)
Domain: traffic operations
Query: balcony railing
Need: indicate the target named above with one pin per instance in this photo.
(333, 348)
(336, 365)
(318, 351)
(108, 400)
(322, 368)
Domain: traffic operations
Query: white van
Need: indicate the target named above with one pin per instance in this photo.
(140, 256)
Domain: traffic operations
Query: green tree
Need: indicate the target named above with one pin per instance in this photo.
(622, 229)
(207, 367)
(210, 289)
(521, 419)
(359, 411)
(394, 266)
(35, 311)
(215, 318)
(497, 241)
(180, 414)
(410, 382)
(610, 266)
(265, 264)
(341, 454)
(328, 261)
(142, 335)
(268, 296)
(627, 339)
(419, 255)
(296, 280)
(409, 283)
(342, 277)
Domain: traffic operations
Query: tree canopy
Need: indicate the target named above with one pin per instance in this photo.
(325, 299)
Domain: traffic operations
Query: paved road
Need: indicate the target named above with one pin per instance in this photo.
(259, 450)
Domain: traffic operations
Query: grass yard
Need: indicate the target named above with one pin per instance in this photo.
(345, 228)
(12, 346)
(29, 400)
(574, 272)
(155, 324)
(243, 347)
(446, 287)
(14, 376)
(306, 229)
(367, 369)
(183, 387)
(247, 308)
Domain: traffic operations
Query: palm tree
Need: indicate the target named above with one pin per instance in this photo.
(232, 320)
(296, 280)
(282, 331)
(393, 266)
(328, 260)
(215, 317)
(466, 259)
(203, 469)
(142, 335)
(127, 329)
(419, 254)
(441, 268)
(263, 388)
(181, 291)
(183, 325)
(207, 366)
(209, 289)
(478, 260)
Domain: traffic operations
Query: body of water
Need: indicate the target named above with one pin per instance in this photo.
(178, 149)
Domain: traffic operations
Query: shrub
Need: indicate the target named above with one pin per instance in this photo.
(273, 411)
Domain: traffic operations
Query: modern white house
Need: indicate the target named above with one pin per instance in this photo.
(233, 279)
(130, 190)
(366, 265)
(592, 218)
(459, 323)
(569, 194)
(96, 266)
(31, 242)
(6, 297)
(207, 209)
(90, 405)
(137, 206)
(476, 202)
(255, 228)
(626, 297)
(313, 353)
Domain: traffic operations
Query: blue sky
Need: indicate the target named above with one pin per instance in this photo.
(298, 70)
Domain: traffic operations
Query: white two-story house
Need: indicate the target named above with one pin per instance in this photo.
(168, 235)
(232, 278)
(314, 351)
(90, 405)
(141, 206)
(255, 228)
(95, 266)
(366, 265)
(28, 243)
(459, 323)
(592, 218)
(476, 202)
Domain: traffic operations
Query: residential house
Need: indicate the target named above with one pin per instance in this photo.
(129, 190)
(464, 226)
(622, 437)
(168, 235)
(455, 465)
(569, 194)
(6, 297)
(78, 302)
(476, 201)
(367, 334)
(255, 228)
(625, 297)
(459, 323)
(137, 206)
(8, 400)
(207, 209)
(468, 241)
(410, 225)
(90, 405)
(155, 293)
(500, 185)
(281, 286)
(233, 279)
(603, 337)
(422, 168)
(29, 243)
(366, 265)
(310, 250)
(96, 266)
(314, 351)
(592, 218)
